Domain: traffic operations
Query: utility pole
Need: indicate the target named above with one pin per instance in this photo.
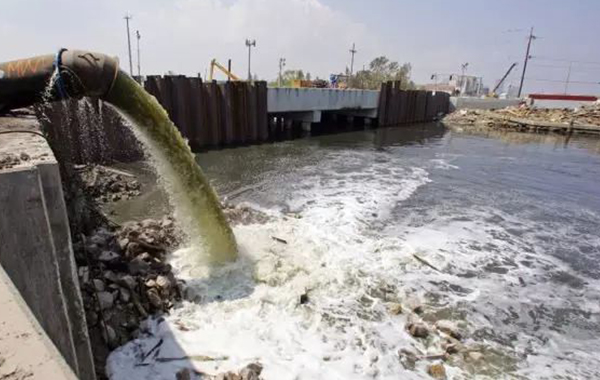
(435, 77)
(463, 82)
(281, 66)
(139, 66)
(127, 18)
(352, 52)
(527, 56)
(568, 78)
(250, 44)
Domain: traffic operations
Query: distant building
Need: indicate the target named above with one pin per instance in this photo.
(439, 87)
(465, 85)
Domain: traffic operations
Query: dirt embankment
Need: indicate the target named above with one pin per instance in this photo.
(581, 120)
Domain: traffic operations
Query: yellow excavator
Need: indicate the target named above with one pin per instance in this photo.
(493, 94)
(216, 64)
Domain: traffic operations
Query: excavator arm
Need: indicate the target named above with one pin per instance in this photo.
(216, 64)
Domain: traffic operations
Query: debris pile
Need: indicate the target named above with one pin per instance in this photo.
(124, 278)
(106, 184)
(585, 118)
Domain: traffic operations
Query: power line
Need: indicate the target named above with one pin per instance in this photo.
(562, 81)
(565, 60)
(575, 69)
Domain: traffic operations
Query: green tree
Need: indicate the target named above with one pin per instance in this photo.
(288, 76)
(380, 70)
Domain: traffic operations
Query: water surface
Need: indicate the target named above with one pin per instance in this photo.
(510, 220)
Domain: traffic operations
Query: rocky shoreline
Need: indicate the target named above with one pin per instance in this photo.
(123, 270)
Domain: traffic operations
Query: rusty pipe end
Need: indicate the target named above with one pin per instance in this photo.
(74, 73)
(88, 73)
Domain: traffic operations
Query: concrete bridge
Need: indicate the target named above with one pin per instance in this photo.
(308, 104)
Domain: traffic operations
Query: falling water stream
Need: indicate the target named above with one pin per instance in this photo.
(195, 204)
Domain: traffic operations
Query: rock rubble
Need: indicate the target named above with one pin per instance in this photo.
(107, 184)
(124, 278)
(528, 118)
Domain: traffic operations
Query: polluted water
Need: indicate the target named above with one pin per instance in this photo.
(329, 283)
(195, 204)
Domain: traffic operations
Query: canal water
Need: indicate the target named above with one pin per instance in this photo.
(510, 222)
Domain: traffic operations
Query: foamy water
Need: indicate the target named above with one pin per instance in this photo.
(512, 265)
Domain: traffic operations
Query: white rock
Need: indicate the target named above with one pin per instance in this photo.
(98, 285)
(125, 295)
(163, 282)
(106, 300)
(108, 256)
(449, 328)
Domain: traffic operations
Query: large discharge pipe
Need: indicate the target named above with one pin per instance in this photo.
(74, 73)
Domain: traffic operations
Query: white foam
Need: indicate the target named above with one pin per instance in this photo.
(250, 310)
(351, 255)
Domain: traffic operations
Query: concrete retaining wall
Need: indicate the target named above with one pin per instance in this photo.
(35, 249)
(25, 350)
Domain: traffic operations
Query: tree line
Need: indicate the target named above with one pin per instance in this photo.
(379, 70)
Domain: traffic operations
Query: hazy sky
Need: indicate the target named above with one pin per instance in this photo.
(435, 36)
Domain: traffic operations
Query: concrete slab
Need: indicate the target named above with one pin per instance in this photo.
(25, 350)
(283, 100)
(36, 247)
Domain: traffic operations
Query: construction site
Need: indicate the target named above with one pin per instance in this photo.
(321, 215)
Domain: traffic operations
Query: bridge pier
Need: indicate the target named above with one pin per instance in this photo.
(306, 105)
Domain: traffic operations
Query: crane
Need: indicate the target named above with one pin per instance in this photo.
(503, 79)
(216, 64)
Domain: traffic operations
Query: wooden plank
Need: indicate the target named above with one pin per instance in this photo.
(214, 114)
(236, 108)
(240, 112)
(196, 108)
(164, 90)
(410, 109)
(226, 113)
(180, 102)
(422, 108)
(429, 107)
(396, 102)
(382, 106)
(251, 112)
(262, 112)
(402, 104)
(151, 86)
(392, 105)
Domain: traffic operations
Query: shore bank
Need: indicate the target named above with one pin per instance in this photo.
(584, 120)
